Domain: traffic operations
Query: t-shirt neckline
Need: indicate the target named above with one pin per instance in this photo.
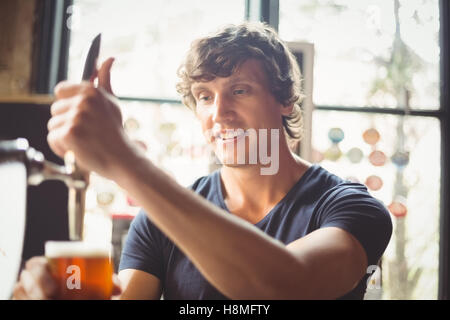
(293, 189)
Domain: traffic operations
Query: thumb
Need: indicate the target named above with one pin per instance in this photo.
(117, 287)
(104, 75)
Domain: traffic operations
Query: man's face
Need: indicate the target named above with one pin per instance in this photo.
(230, 108)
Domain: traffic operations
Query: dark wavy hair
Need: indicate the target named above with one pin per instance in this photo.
(220, 54)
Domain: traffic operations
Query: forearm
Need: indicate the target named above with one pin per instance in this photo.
(233, 255)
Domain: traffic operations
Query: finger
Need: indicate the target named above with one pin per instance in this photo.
(54, 141)
(43, 278)
(65, 89)
(117, 288)
(32, 290)
(59, 106)
(104, 75)
(38, 260)
(56, 122)
(19, 292)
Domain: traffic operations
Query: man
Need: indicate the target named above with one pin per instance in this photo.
(297, 232)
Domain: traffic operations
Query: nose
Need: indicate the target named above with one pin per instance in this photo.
(222, 109)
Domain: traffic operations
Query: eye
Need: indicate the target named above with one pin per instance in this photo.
(241, 90)
(204, 97)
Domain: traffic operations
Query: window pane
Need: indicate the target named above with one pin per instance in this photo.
(147, 38)
(360, 60)
(171, 136)
(374, 151)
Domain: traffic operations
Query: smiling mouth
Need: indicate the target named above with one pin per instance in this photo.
(229, 135)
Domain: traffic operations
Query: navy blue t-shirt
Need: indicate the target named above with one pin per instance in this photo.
(318, 200)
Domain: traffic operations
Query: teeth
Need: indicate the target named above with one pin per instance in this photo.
(229, 134)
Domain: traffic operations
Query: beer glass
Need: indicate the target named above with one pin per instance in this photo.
(82, 270)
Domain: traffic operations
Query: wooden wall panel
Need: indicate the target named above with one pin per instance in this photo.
(16, 45)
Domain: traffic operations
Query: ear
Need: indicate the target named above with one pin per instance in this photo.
(287, 110)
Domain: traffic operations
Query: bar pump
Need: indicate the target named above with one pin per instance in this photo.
(39, 170)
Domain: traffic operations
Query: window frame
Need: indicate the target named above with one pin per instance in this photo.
(51, 45)
(444, 245)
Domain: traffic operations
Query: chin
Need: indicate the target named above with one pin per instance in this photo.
(232, 154)
(229, 160)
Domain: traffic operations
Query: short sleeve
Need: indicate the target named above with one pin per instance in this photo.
(350, 207)
(143, 247)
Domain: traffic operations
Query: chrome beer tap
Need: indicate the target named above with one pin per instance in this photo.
(40, 170)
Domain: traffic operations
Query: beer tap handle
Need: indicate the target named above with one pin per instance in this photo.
(77, 196)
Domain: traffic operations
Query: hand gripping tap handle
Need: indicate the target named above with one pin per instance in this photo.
(77, 196)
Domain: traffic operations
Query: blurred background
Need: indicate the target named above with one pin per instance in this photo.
(375, 76)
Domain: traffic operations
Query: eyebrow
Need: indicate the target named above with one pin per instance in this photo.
(240, 79)
(199, 86)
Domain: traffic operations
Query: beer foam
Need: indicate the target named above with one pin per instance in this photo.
(62, 249)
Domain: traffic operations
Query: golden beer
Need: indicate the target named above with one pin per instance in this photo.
(83, 271)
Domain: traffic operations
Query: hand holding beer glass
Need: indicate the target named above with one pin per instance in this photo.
(81, 270)
(79, 273)
(73, 270)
